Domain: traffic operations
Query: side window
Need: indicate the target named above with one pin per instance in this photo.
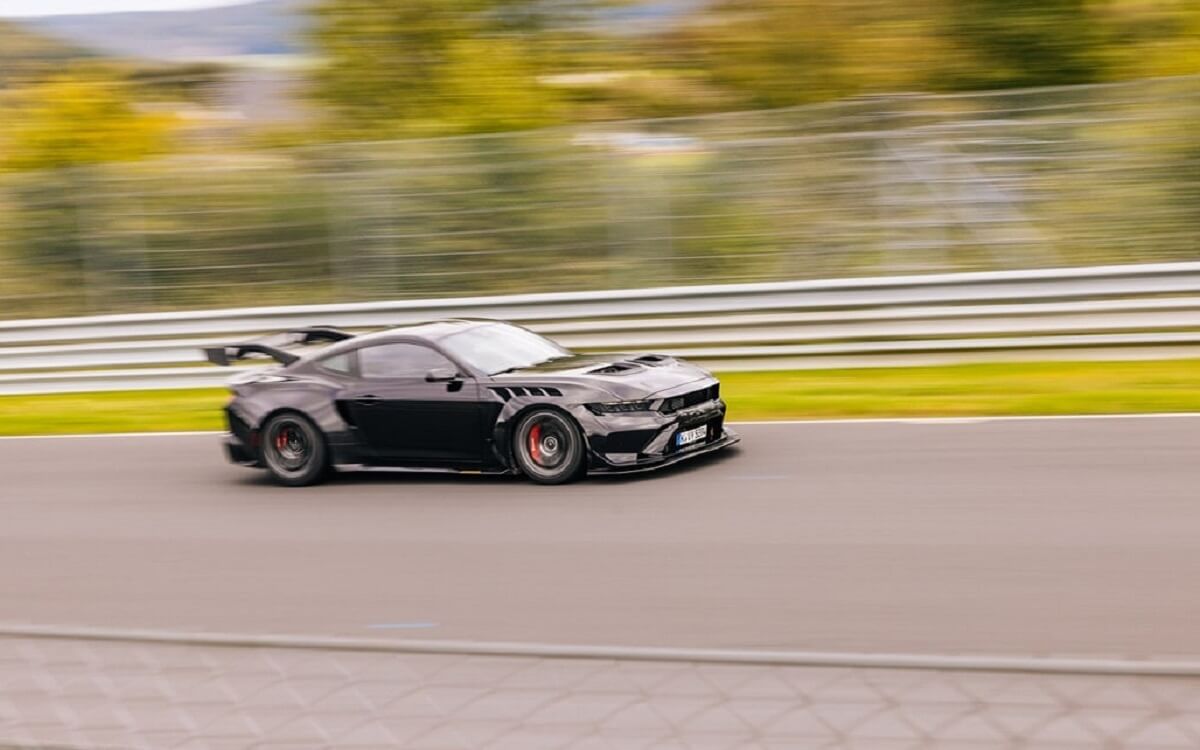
(399, 361)
(342, 364)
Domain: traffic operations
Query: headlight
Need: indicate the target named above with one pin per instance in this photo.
(619, 407)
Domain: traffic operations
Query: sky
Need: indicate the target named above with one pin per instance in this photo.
(55, 7)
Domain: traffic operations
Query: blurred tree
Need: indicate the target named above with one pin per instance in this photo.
(1020, 43)
(461, 66)
(491, 84)
(1153, 38)
(201, 83)
(70, 123)
(74, 120)
(774, 53)
(434, 66)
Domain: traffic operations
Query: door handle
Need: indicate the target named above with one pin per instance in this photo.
(367, 400)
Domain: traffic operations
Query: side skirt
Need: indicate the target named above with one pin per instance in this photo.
(370, 468)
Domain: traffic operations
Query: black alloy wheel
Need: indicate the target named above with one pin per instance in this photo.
(549, 447)
(293, 450)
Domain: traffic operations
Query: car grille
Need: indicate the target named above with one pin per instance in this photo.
(704, 395)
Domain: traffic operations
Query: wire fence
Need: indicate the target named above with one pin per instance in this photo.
(95, 694)
(899, 184)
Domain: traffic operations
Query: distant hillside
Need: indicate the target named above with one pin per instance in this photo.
(654, 11)
(265, 27)
(24, 54)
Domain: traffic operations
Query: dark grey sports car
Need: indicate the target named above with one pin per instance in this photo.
(463, 395)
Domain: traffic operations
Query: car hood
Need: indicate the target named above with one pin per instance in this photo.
(625, 376)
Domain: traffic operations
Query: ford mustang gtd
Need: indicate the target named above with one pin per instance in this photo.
(463, 395)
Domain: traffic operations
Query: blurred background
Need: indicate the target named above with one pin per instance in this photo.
(1003, 196)
(295, 151)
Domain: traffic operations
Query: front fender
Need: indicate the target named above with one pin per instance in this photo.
(515, 409)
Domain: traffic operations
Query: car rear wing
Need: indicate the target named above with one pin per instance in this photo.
(275, 347)
(230, 353)
(317, 334)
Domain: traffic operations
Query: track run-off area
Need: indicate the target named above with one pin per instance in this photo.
(1038, 536)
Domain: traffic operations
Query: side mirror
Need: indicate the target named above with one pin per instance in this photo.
(441, 375)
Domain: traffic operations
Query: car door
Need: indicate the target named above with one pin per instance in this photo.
(408, 420)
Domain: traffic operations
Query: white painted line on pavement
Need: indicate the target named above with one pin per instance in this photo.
(747, 423)
(967, 420)
(939, 662)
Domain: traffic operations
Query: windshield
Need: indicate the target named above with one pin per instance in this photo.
(497, 347)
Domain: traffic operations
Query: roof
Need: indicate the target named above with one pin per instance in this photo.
(430, 331)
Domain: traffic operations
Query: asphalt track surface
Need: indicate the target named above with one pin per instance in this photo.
(1030, 537)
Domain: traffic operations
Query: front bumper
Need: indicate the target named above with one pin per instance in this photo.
(648, 441)
(650, 463)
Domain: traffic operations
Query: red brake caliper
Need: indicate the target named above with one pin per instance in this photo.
(535, 443)
(281, 440)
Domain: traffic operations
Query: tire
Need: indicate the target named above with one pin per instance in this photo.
(293, 450)
(549, 447)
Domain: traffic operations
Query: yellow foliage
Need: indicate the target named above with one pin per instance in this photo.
(490, 84)
(70, 121)
(1162, 38)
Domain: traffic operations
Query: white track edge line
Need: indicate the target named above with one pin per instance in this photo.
(969, 419)
(959, 663)
(742, 423)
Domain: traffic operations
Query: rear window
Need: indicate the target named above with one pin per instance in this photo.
(343, 363)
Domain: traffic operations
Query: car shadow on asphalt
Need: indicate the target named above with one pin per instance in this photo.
(258, 478)
(683, 468)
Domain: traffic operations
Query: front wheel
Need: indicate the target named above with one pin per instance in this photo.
(293, 450)
(549, 447)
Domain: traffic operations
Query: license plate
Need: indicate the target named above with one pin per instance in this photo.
(687, 437)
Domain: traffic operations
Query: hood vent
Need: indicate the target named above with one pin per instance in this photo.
(616, 368)
(652, 359)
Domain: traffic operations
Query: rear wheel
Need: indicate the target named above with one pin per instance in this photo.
(293, 450)
(549, 447)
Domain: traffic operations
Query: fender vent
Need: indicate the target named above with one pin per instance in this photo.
(510, 392)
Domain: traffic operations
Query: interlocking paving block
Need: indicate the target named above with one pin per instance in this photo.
(97, 695)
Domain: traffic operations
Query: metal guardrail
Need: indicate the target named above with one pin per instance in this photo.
(88, 689)
(1109, 311)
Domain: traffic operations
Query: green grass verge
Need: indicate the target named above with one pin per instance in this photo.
(120, 411)
(1006, 389)
(958, 390)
